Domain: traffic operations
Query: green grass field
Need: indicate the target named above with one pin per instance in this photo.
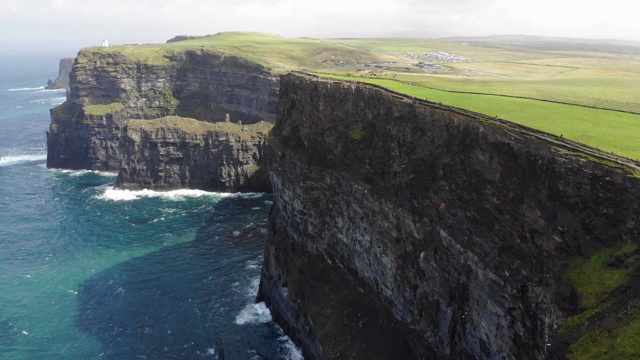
(281, 54)
(604, 129)
(540, 71)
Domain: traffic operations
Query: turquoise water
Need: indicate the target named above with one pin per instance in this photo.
(90, 272)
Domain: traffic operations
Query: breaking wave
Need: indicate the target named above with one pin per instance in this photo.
(21, 159)
(75, 173)
(289, 350)
(254, 314)
(27, 89)
(114, 194)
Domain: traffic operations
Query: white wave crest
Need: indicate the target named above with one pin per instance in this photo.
(75, 173)
(254, 314)
(249, 195)
(52, 90)
(129, 195)
(57, 101)
(289, 350)
(27, 88)
(51, 101)
(21, 159)
(254, 286)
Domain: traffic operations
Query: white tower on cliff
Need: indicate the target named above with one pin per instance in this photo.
(105, 43)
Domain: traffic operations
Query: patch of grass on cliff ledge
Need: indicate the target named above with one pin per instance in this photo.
(617, 338)
(193, 126)
(609, 326)
(101, 110)
(595, 278)
(356, 134)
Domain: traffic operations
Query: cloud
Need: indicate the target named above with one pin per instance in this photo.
(154, 21)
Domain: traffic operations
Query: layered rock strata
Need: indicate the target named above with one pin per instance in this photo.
(174, 152)
(109, 87)
(451, 231)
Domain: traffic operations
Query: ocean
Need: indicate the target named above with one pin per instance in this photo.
(91, 272)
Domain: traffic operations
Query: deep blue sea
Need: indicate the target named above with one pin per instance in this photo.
(91, 272)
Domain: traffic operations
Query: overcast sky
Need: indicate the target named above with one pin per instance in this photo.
(87, 22)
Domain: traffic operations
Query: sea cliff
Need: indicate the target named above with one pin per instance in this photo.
(62, 81)
(178, 152)
(110, 87)
(403, 225)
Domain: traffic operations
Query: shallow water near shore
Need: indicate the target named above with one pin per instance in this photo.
(91, 272)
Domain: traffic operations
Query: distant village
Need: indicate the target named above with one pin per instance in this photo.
(426, 65)
(439, 56)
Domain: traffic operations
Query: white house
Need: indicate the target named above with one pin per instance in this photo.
(105, 43)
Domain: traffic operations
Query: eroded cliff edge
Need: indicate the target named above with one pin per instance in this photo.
(402, 225)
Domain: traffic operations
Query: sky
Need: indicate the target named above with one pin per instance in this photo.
(87, 22)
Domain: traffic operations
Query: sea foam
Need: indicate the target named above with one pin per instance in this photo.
(27, 89)
(114, 194)
(289, 349)
(75, 173)
(21, 159)
(254, 314)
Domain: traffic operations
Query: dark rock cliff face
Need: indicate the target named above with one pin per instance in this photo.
(62, 81)
(77, 140)
(107, 89)
(220, 157)
(424, 228)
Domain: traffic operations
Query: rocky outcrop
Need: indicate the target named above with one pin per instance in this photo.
(62, 81)
(78, 139)
(109, 87)
(173, 152)
(458, 230)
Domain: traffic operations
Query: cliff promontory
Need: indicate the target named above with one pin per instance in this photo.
(407, 229)
(176, 152)
(110, 87)
(226, 77)
(62, 81)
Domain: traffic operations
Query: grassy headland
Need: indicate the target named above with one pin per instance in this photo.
(580, 89)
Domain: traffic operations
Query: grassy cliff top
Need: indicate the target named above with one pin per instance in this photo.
(266, 49)
(584, 91)
(193, 126)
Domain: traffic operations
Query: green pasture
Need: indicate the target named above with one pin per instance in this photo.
(601, 79)
(607, 130)
(270, 50)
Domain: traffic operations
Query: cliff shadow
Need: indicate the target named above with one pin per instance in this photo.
(182, 301)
